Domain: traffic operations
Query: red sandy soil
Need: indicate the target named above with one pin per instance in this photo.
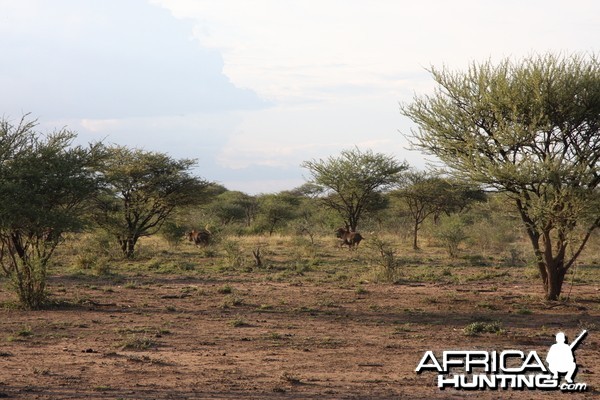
(166, 337)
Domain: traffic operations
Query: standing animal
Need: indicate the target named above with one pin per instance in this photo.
(199, 237)
(348, 237)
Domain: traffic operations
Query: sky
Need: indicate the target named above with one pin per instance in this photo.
(251, 89)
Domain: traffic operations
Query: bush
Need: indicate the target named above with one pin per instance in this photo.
(45, 183)
(233, 254)
(94, 252)
(451, 233)
(173, 233)
(385, 259)
(28, 279)
(477, 328)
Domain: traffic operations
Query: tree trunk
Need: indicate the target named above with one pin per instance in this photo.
(415, 236)
(353, 218)
(272, 228)
(552, 269)
(554, 278)
(128, 246)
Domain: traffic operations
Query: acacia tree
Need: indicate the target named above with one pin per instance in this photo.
(426, 195)
(233, 206)
(423, 197)
(352, 182)
(530, 129)
(142, 190)
(45, 183)
(275, 209)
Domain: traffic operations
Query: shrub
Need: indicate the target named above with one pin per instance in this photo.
(479, 327)
(385, 259)
(172, 232)
(451, 233)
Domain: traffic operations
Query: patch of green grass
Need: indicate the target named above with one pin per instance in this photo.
(276, 336)
(524, 311)
(138, 343)
(146, 330)
(232, 300)
(24, 332)
(225, 289)
(238, 322)
(20, 335)
(361, 290)
(479, 327)
(132, 285)
(488, 306)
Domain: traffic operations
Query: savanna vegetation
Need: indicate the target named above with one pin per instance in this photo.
(445, 252)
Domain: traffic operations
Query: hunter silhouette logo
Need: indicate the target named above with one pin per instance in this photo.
(560, 357)
(508, 369)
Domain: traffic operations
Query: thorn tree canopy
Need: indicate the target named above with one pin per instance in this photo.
(427, 194)
(351, 183)
(532, 130)
(143, 189)
(45, 185)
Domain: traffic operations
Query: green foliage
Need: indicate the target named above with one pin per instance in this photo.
(94, 251)
(143, 189)
(45, 183)
(385, 259)
(233, 254)
(450, 231)
(233, 207)
(352, 183)
(495, 229)
(530, 129)
(138, 343)
(477, 328)
(173, 232)
(225, 289)
(276, 209)
(426, 194)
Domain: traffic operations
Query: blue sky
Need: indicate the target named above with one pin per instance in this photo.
(253, 88)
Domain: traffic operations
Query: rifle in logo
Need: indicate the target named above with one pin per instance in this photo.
(575, 342)
(560, 357)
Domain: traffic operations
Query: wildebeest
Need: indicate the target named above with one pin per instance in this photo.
(199, 237)
(348, 237)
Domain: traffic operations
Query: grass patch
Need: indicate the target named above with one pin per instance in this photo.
(523, 311)
(20, 335)
(146, 330)
(138, 343)
(225, 289)
(477, 328)
(239, 322)
(232, 300)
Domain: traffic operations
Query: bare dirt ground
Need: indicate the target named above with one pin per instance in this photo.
(245, 335)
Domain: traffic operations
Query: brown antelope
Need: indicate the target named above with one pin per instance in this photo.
(348, 237)
(199, 237)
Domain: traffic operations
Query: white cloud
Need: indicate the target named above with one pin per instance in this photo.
(109, 59)
(336, 69)
(175, 75)
(286, 49)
